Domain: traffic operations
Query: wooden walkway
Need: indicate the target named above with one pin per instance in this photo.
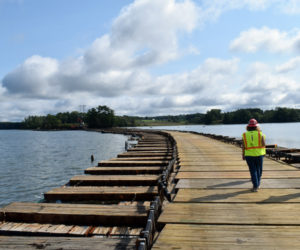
(214, 207)
(109, 207)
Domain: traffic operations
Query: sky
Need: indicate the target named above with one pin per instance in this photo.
(148, 57)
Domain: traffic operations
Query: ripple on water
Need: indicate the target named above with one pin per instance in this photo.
(33, 162)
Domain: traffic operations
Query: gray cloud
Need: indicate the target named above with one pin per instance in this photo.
(32, 78)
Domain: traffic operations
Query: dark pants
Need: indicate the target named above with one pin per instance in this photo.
(255, 164)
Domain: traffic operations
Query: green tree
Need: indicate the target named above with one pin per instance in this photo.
(34, 122)
(100, 117)
(213, 116)
(51, 122)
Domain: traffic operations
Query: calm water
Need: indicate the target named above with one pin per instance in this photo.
(33, 162)
(282, 134)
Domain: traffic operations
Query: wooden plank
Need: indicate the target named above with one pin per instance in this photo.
(228, 163)
(237, 174)
(217, 237)
(132, 163)
(101, 193)
(151, 145)
(216, 158)
(6, 226)
(226, 213)
(79, 230)
(63, 229)
(76, 214)
(135, 231)
(114, 180)
(15, 227)
(26, 227)
(143, 154)
(123, 170)
(216, 167)
(101, 231)
(65, 243)
(145, 158)
(156, 150)
(238, 195)
(237, 183)
(199, 152)
(42, 229)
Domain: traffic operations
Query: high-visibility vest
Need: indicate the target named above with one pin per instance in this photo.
(253, 143)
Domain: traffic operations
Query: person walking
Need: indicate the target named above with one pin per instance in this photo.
(253, 150)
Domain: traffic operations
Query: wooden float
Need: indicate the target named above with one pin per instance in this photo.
(114, 180)
(75, 214)
(137, 170)
(115, 193)
(133, 163)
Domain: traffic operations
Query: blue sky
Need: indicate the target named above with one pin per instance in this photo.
(148, 57)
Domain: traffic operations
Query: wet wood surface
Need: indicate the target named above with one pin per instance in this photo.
(214, 207)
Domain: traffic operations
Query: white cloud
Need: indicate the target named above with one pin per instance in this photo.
(144, 34)
(149, 29)
(289, 66)
(214, 73)
(271, 40)
(264, 86)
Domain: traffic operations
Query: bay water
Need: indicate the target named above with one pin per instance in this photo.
(33, 162)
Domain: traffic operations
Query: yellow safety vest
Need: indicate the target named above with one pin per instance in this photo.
(253, 143)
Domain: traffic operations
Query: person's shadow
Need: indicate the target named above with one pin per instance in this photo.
(216, 197)
(282, 198)
(231, 183)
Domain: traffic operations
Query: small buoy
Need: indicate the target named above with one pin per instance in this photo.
(92, 158)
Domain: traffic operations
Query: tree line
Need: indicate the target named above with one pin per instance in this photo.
(99, 117)
(240, 116)
(104, 117)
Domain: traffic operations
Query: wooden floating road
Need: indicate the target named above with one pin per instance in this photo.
(214, 207)
(108, 207)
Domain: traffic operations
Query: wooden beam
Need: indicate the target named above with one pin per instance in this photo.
(75, 214)
(102, 194)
